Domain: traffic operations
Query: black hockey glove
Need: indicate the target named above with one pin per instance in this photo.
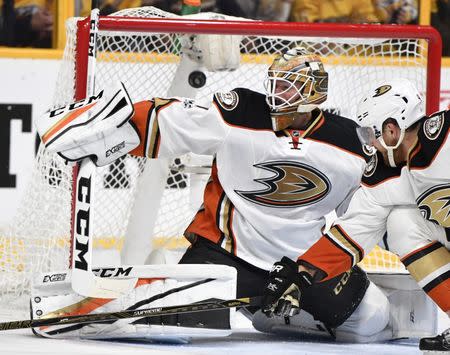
(283, 291)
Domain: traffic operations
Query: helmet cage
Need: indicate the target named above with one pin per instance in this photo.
(298, 86)
(302, 89)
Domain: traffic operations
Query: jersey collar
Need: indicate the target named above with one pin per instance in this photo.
(313, 125)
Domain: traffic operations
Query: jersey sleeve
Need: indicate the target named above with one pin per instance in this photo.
(173, 127)
(343, 206)
(351, 236)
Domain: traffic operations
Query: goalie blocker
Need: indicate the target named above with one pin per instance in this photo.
(97, 127)
(157, 286)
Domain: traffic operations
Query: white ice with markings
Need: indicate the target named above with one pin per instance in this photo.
(22, 342)
(244, 341)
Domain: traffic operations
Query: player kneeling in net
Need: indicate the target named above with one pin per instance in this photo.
(280, 165)
(405, 191)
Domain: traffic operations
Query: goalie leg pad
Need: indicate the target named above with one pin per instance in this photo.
(367, 322)
(251, 279)
(394, 307)
(158, 286)
(412, 313)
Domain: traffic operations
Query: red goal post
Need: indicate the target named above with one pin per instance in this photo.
(284, 29)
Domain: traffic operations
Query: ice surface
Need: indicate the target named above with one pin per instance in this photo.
(244, 341)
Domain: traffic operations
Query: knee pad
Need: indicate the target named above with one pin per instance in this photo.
(371, 316)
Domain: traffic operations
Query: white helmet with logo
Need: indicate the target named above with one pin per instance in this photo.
(397, 99)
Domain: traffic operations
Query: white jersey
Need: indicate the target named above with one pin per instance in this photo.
(424, 182)
(268, 192)
(399, 198)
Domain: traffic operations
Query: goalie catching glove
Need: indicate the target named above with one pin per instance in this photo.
(283, 291)
(97, 127)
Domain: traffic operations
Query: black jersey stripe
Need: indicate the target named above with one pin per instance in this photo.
(420, 254)
(435, 282)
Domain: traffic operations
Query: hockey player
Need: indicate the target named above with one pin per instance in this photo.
(280, 165)
(405, 191)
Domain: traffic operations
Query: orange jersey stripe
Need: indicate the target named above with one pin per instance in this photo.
(328, 257)
(64, 121)
(205, 222)
(141, 120)
(441, 295)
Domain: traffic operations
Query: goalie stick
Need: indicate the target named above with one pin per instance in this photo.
(207, 305)
(84, 282)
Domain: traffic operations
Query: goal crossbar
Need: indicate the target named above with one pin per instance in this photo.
(288, 29)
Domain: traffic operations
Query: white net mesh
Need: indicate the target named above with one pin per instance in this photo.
(38, 238)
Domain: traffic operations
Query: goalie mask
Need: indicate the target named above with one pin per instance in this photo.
(296, 82)
(397, 99)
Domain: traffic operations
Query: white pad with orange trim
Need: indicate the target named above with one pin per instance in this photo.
(97, 127)
(158, 286)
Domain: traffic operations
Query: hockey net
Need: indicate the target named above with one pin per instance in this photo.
(145, 53)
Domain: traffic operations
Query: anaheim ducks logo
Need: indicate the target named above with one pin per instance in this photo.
(228, 100)
(371, 166)
(383, 89)
(293, 184)
(435, 205)
(433, 126)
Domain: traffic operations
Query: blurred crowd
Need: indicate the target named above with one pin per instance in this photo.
(26, 23)
(29, 23)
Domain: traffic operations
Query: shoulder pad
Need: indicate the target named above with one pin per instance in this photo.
(244, 108)
(436, 124)
(227, 101)
(432, 135)
(340, 132)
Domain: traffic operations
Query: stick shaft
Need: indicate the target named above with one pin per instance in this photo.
(148, 312)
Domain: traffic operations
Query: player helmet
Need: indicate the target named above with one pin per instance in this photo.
(397, 99)
(296, 82)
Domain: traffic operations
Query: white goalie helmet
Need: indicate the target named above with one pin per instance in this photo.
(397, 99)
(296, 82)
